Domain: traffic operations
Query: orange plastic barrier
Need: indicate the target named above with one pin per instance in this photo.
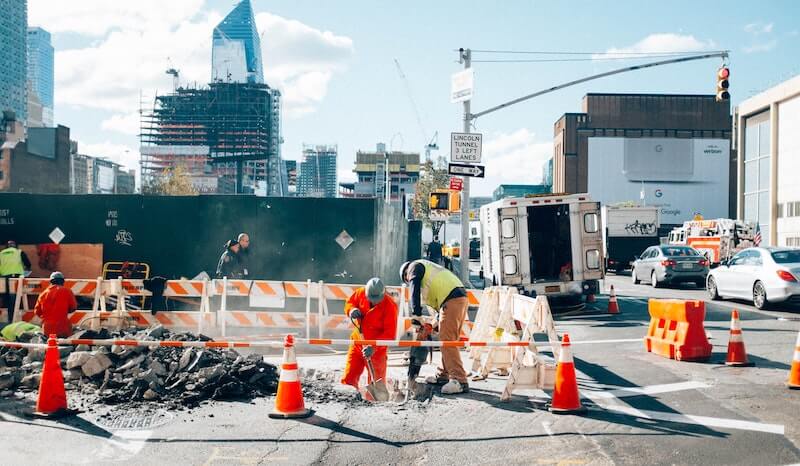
(676, 330)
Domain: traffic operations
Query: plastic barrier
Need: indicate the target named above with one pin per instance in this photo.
(494, 321)
(227, 312)
(676, 330)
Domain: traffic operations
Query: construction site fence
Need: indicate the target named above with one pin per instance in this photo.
(217, 304)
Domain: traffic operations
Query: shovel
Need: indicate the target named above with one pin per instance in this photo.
(377, 388)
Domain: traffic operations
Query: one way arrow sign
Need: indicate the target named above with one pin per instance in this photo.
(464, 169)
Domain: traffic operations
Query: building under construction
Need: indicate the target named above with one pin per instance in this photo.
(227, 136)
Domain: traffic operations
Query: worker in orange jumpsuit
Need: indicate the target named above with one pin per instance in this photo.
(54, 305)
(376, 314)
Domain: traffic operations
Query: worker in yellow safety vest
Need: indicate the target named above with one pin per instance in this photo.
(433, 285)
(13, 263)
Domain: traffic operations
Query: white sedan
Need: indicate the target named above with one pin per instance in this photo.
(762, 275)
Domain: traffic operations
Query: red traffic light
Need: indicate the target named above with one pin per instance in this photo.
(723, 73)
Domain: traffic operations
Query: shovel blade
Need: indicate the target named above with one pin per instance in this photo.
(379, 391)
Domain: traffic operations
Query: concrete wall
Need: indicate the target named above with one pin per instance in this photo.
(291, 238)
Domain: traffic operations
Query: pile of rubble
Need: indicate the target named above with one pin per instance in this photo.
(174, 377)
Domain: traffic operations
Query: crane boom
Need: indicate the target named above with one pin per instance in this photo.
(411, 98)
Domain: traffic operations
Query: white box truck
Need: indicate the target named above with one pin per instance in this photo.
(544, 245)
(627, 231)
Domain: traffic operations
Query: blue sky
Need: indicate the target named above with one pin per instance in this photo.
(335, 63)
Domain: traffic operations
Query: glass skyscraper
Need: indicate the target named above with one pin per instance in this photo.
(40, 71)
(236, 47)
(13, 57)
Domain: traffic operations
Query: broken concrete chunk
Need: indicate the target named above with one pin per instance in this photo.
(158, 368)
(96, 364)
(77, 359)
(156, 332)
(186, 358)
(7, 380)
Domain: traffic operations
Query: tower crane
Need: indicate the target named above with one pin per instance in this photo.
(432, 143)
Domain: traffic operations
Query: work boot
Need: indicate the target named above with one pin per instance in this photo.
(436, 380)
(454, 387)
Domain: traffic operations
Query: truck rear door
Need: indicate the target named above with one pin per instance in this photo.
(514, 263)
(591, 242)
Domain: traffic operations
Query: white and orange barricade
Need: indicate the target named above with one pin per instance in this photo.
(494, 322)
(529, 368)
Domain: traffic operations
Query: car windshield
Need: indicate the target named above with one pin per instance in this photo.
(786, 257)
(679, 251)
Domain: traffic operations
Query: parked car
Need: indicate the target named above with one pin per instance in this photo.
(669, 265)
(762, 275)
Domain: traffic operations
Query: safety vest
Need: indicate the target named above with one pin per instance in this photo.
(11, 262)
(13, 331)
(437, 283)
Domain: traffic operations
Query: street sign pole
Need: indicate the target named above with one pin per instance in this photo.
(466, 58)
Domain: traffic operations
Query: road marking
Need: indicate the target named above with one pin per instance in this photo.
(597, 342)
(696, 420)
(546, 426)
(622, 392)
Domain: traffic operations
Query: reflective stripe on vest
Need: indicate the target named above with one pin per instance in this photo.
(11, 262)
(437, 284)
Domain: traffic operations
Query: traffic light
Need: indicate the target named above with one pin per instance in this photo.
(723, 74)
(444, 200)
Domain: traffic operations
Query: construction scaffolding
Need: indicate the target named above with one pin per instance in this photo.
(227, 131)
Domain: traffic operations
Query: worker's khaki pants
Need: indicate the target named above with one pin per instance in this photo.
(451, 319)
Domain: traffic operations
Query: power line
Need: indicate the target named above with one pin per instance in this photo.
(555, 60)
(551, 52)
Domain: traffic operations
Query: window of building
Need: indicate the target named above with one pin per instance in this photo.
(757, 172)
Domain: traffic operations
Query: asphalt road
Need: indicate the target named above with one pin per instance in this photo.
(643, 409)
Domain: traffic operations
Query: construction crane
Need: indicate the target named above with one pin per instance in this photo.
(175, 73)
(433, 142)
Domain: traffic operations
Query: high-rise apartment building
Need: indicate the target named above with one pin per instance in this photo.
(317, 171)
(40, 77)
(14, 57)
(236, 48)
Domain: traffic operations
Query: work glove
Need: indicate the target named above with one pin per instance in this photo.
(416, 321)
(368, 351)
(356, 314)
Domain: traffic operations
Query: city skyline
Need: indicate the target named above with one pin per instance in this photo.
(338, 76)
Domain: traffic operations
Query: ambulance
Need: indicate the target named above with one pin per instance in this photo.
(717, 239)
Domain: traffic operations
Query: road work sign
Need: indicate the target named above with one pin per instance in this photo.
(477, 171)
(462, 86)
(466, 147)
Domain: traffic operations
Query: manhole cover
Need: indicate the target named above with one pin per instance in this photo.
(134, 421)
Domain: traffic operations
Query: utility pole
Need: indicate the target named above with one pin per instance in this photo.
(465, 57)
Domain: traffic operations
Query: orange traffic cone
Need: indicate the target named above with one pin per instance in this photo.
(613, 307)
(52, 400)
(566, 399)
(794, 373)
(289, 401)
(737, 356)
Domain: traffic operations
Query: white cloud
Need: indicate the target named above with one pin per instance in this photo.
(122, 123)
(136, 43)
(758, 28)
(660, 42)
(98, 17)
(512, 158)
(760, 47)
(301, 60)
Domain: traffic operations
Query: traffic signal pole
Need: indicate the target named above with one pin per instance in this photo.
(465, 57)
(463, 255)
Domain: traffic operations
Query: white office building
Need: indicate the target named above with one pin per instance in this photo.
(768, 157)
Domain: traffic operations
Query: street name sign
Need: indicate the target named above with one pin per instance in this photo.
(463, 169)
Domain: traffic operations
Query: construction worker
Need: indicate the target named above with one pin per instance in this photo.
(229, 265)
(433, 285)
(54, 305)
(13, 263)
(375, 313)
(244, 253)
(13, 332)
